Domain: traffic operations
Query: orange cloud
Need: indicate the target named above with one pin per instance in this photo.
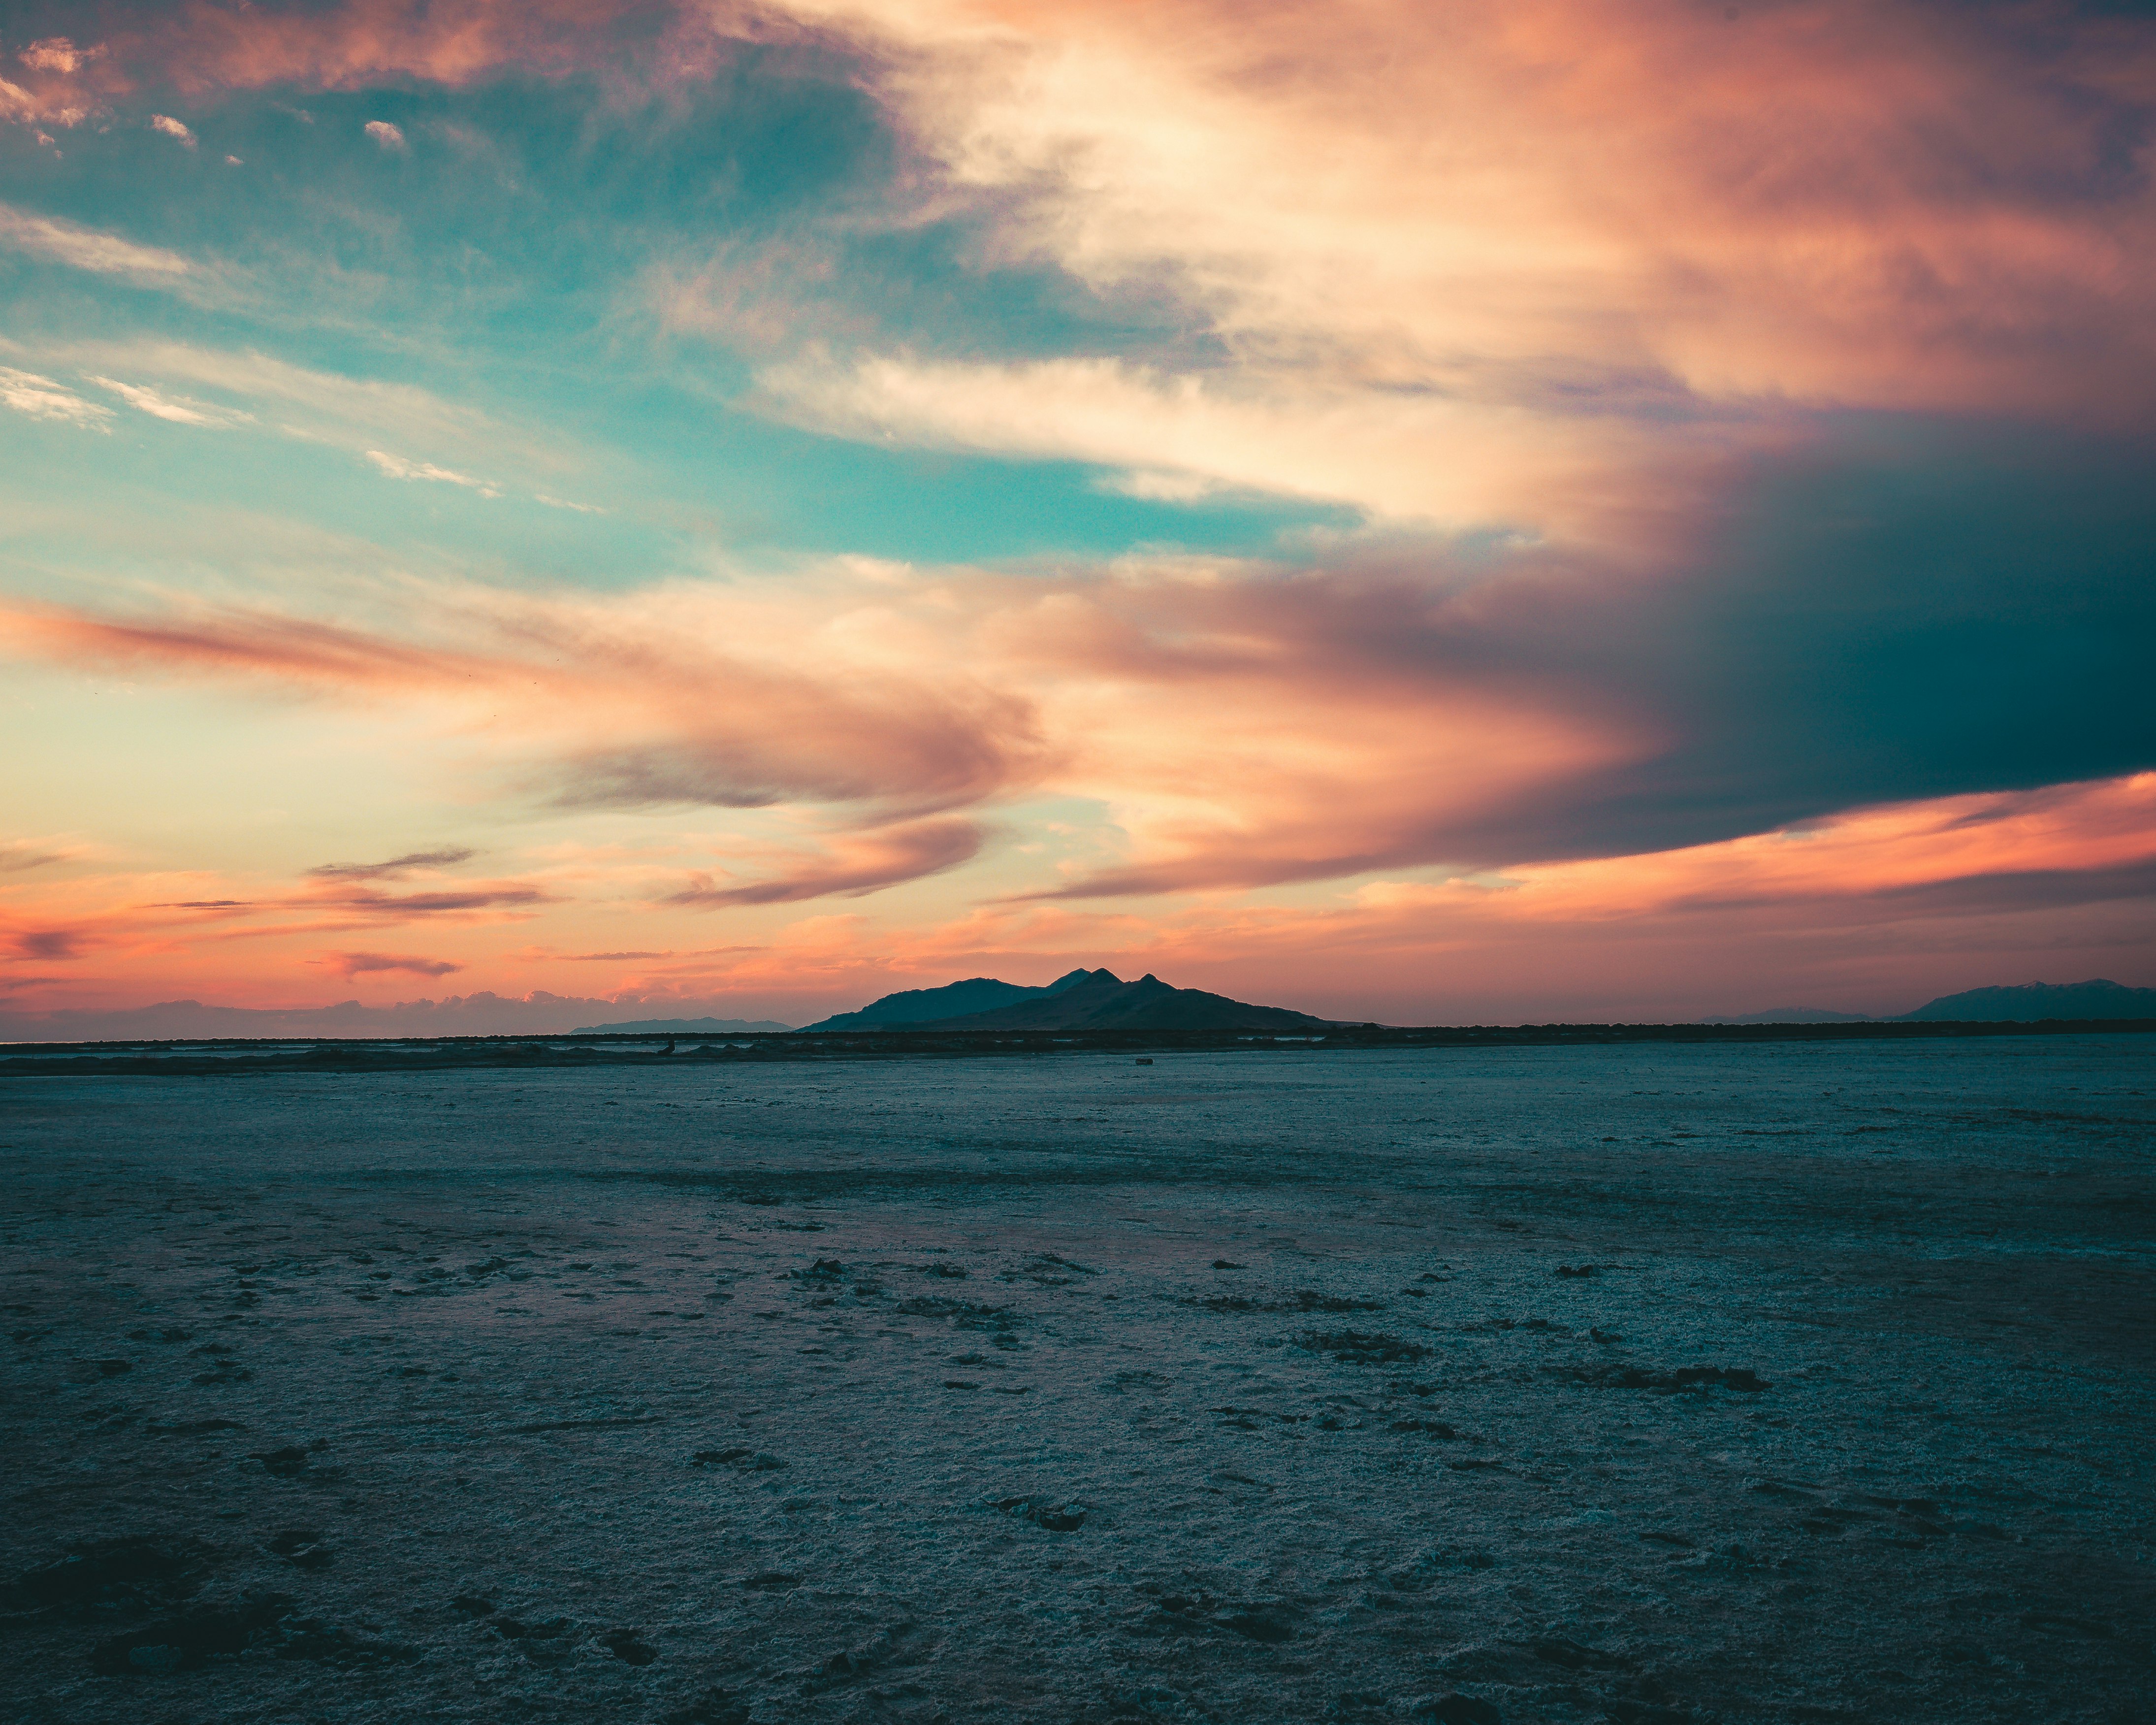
(852, 866)
(1844, 912)
(679, 699)
(1239, 727)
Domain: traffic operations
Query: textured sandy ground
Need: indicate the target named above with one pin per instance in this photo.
(915, 1391)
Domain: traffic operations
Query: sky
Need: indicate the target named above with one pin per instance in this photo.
(1425, 512)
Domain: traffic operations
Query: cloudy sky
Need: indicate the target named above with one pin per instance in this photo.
(1423, 511)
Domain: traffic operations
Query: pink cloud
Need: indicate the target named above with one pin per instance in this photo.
(612, 706)
(1899, 205)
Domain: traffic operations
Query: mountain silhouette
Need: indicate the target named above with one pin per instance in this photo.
(917, 1006)
(1103, 1001)
(2025, 1002)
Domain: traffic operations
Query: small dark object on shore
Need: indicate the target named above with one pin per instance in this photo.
(302, 1548)
(1144, 1060)
(110, 1578)
(1269, 1627)
(1048, 1513)
(628, 1646)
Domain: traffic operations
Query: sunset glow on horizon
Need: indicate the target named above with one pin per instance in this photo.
(1424, 513)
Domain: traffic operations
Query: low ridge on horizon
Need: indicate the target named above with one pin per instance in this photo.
(684, 1027)
(2013, 1003)
(1095, 999)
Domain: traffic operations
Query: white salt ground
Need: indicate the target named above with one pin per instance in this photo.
(1653, 1384)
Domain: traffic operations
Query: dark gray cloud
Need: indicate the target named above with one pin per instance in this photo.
(396, 868)
(369, 903)
(1908, 610)
(349, 965)
(855, 864)
(48, 943)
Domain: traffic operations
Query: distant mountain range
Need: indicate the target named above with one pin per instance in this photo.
(2021, 1003)
(1083, 1000)
(538, 1013)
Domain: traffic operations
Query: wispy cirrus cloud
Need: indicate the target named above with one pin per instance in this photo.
(346, 903)
(396, 467)
(404, 907)
(180, 410)
(352, 413)
(1420, 457)
(20, 855)
(42, 397)
(62, 242)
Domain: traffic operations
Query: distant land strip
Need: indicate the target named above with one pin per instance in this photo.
(249, 1057)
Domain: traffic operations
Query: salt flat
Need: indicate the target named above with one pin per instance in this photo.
(1650, 1384)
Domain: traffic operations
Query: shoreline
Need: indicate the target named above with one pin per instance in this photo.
(216, 1056)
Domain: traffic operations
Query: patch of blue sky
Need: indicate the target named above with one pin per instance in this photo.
(500, 250)
(525, 215)
(931, 507)
(251, 502)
